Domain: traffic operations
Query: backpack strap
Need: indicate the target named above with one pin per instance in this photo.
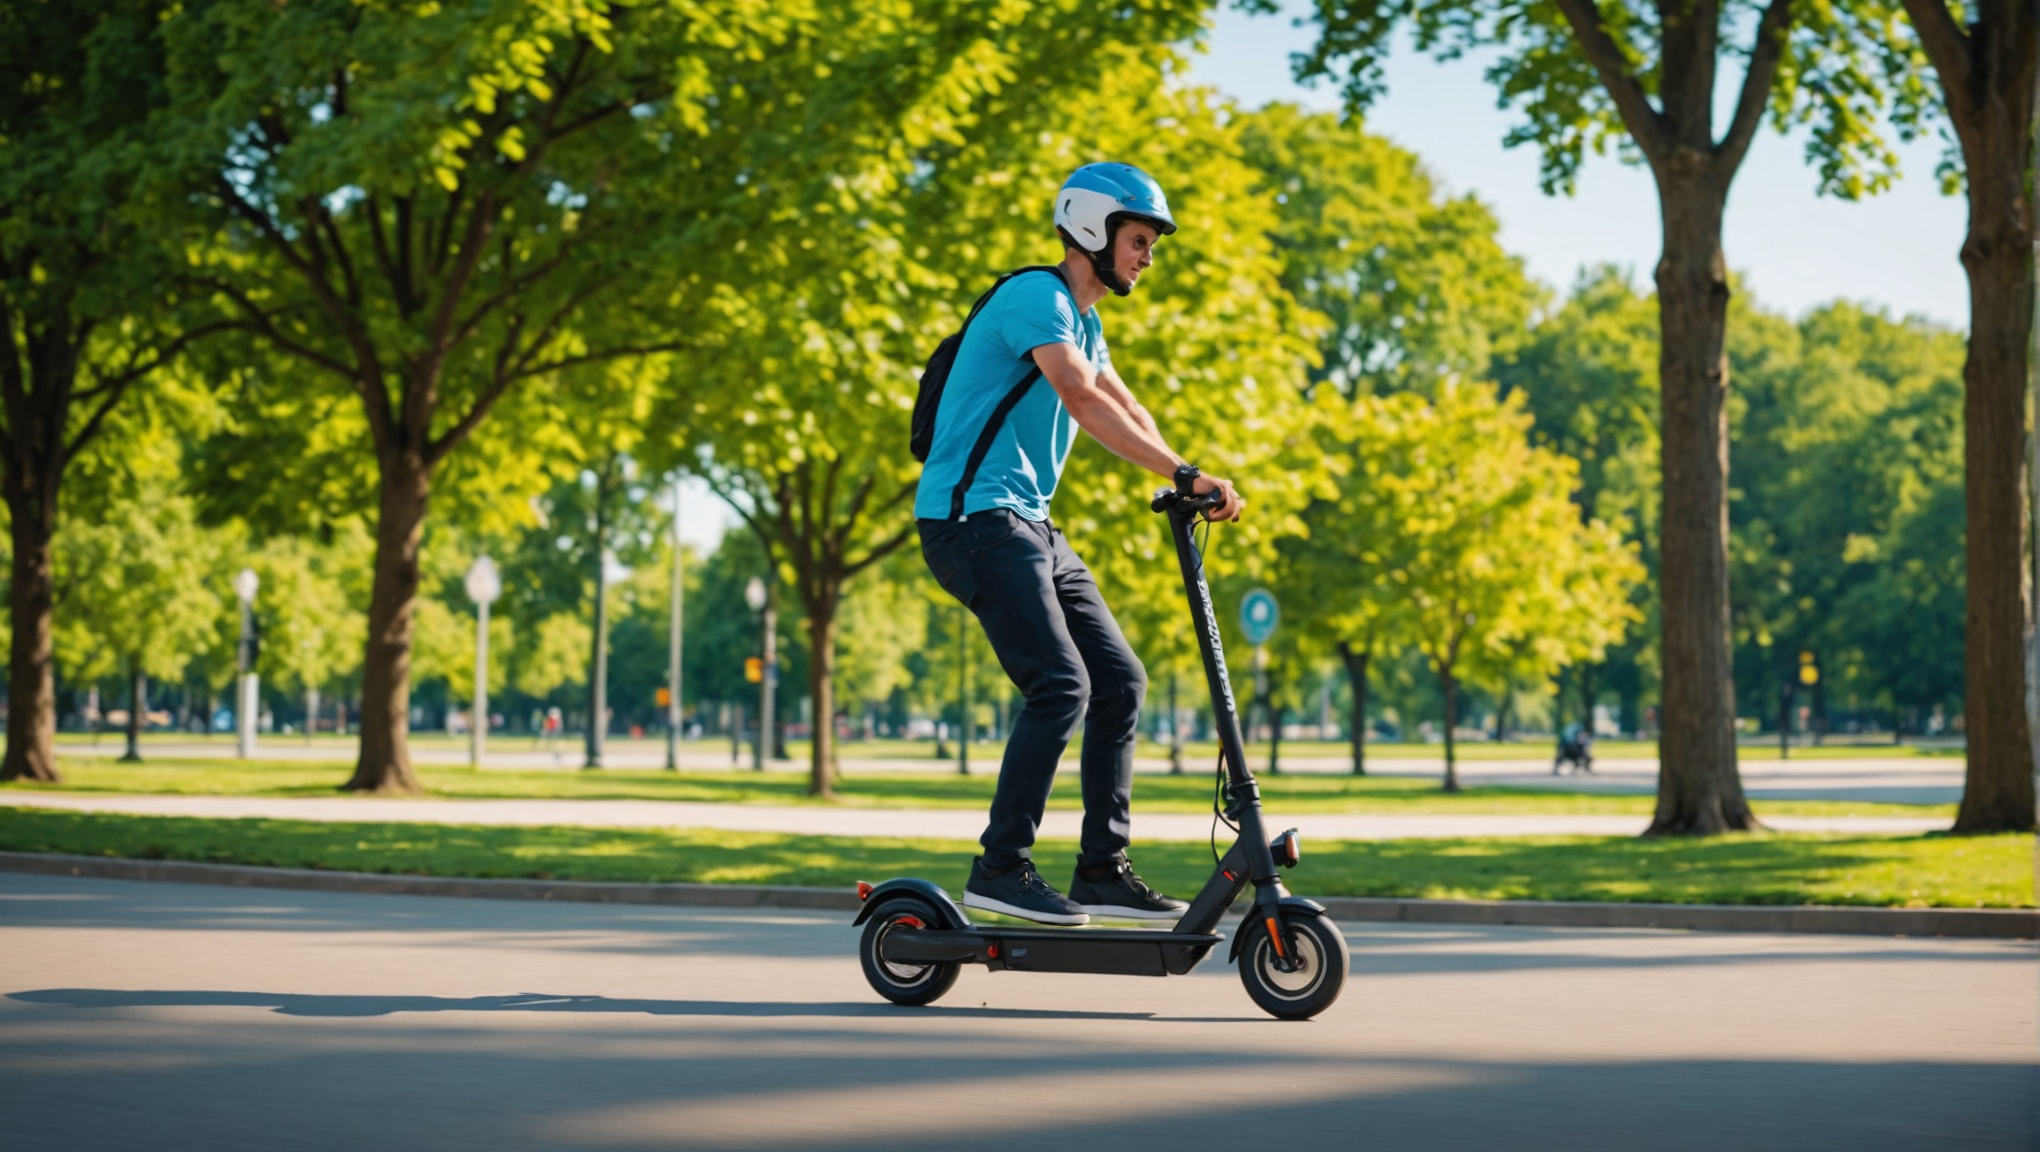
(1007, 403)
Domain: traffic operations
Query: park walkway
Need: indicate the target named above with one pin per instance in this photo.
(929, 823)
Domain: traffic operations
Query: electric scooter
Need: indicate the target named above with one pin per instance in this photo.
(1291, 957)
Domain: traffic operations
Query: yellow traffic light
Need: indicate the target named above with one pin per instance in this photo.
(754, 669)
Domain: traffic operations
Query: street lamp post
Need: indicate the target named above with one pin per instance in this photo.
(484, 584)
(759, 596)
(673, 648)
(246, 583)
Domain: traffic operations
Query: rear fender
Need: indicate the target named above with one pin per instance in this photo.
(1292, 907)
(928, 892)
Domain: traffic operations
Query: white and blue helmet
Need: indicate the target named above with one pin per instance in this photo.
(1096, 199)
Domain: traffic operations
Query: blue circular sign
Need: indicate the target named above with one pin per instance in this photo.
(1259, 615)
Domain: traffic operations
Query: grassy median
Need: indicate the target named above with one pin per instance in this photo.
(1342, 793)
(1908, 871)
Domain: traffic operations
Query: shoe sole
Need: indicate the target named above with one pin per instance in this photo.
(987, 904)
(1124, 912)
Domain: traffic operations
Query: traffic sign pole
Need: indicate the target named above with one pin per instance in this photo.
(1259, 614)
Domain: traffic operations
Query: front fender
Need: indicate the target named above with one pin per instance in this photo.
(928, 892)
(1290, 905)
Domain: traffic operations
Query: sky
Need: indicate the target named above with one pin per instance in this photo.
(1795, 250)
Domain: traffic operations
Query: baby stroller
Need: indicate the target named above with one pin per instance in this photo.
(1575, 747)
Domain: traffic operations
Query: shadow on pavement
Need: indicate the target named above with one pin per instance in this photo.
(290, 1004)
(854, 1090)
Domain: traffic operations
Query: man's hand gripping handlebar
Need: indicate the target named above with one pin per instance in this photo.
(1197, 493)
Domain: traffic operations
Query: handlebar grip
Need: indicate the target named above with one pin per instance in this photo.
(1167, 499)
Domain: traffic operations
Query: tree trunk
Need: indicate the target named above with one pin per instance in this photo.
(1997, 794)
(1502, 717)
(1356, 676)
(1989, 89)
(311, 713)
(1451, 689)
(1785, 718)
(1699, 790)
(1589, 681)
(31, 669)
(138, 708)
(1275, 739)
(384, 763)
(821, 619)
(598, 658)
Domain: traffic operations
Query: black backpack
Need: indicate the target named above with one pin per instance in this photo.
(935, 377)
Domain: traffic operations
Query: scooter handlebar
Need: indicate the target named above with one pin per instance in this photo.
(1170, 500)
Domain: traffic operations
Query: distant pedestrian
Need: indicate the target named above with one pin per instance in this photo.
(1575, 747)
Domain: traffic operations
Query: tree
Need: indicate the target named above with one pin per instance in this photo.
(1495, 576)
(1643, 75)
(557, 656)
(140, 591)
(883, 620)
(1417, 292)
(1414, 285)
(1588, 374)
(312, 622)
(1217, 351)
(1848, 517)
(88, 310)
(606, 515)
(800, 422)
(421, 209)
(1988, 74)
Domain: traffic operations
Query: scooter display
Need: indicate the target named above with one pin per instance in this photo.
(1291, 957)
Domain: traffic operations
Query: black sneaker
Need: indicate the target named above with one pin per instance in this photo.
(1113, 890)
(1019, 891)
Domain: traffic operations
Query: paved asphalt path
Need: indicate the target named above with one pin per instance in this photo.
(170, 1017)
(934, 823)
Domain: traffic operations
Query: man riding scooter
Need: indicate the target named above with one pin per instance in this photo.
(982, 509)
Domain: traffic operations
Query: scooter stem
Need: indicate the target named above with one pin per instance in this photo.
(1243, 794)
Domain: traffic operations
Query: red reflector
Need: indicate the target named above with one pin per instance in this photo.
(863, 890)
(992, 950)
(1228, 874)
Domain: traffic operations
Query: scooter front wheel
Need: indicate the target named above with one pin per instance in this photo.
(909, 984)
(1303, 978)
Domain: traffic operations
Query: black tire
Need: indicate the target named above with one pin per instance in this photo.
(911, 985)
(1313, 940)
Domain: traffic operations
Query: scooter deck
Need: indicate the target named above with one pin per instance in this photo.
(1107, 951)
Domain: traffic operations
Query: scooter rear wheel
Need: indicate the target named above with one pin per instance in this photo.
(1320, 958)
(910, 984)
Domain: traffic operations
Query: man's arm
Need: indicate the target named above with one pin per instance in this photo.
(1104, 407)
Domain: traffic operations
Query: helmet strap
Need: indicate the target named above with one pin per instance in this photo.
(1101, 261)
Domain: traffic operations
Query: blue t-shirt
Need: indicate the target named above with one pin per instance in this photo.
(1026, 459)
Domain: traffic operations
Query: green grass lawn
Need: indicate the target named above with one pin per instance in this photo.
(1197, 751)
(1153, 793)
(1929, 871)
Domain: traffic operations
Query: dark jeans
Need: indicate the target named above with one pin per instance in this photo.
(1061, 647)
